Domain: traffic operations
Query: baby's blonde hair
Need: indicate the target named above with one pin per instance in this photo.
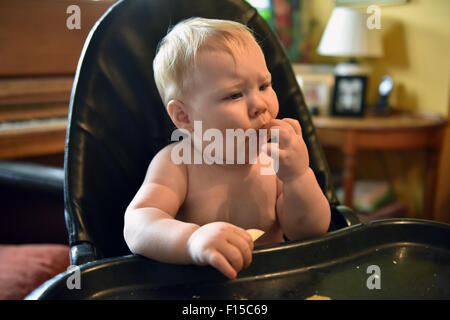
(176, 53)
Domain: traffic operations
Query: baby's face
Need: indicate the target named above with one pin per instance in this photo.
(227, 93)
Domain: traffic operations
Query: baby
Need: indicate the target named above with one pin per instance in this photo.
(213, 72)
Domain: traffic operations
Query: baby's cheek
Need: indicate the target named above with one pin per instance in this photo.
(275, 106)
(275, 109)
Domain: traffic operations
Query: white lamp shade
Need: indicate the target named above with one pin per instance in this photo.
(347, 35)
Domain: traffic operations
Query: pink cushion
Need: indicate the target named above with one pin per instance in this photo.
(24, 267)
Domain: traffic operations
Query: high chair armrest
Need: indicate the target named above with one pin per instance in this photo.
(348, 215)
(32, 176)
(342, 217)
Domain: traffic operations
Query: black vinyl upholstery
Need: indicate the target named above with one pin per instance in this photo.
(42, 178)
(117, 121)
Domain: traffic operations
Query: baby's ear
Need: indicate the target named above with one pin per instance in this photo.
(178, 113)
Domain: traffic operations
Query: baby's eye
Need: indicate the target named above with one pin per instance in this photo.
(234, 96)
(265, 86)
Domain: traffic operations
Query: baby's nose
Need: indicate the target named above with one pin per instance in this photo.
(257, 107)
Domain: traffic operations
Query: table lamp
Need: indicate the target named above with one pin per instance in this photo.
(347, 35)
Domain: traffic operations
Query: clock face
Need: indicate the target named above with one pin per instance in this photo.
(386, 85)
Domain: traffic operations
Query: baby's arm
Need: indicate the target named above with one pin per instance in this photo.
(151, 230)
(303, 210)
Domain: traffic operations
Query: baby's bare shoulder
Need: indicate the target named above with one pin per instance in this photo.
(163, 171)
(162, 162)
(165, 184)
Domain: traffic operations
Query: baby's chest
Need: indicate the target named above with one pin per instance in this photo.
(248, 203)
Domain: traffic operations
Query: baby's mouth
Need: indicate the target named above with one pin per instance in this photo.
(265, 122)
(264, 132)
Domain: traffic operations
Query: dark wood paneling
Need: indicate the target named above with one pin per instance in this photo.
(34, 38)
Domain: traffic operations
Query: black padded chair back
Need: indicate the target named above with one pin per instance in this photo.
(117, 122)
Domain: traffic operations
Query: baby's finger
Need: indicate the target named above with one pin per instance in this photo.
(233, 255)
(275, 134)
(295, 125)
(280, 123)
(218, 261)
(244, 235)
(282, 136)
(272, 150)
(244, 247)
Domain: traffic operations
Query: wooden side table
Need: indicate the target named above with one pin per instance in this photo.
(397, 132)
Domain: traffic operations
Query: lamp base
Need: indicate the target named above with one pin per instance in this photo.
(350, 69)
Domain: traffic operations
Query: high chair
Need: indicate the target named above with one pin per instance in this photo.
(117, 121)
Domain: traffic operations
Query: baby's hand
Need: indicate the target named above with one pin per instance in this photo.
(222, 245)
(292, 152)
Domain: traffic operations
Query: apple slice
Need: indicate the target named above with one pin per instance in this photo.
(255, 233)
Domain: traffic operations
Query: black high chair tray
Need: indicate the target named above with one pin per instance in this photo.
(385, 259)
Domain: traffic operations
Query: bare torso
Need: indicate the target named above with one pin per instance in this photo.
(237, 194)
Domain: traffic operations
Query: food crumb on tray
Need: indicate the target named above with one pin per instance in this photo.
(317, 297)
